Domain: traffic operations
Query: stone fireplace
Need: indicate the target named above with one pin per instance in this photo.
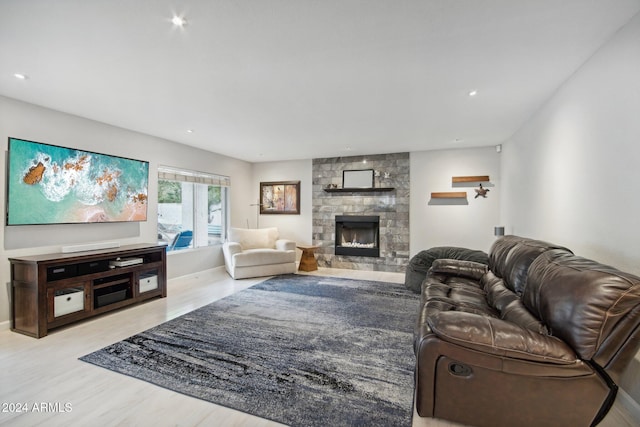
(357, 235)
(388, 200)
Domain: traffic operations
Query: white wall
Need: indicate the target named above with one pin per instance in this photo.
(431, 225)
(294, 227)
(468, 225)
(27, 121)
(572, 172)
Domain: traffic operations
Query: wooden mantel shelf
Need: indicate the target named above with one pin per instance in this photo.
(449, 195)
(358, 190)
(477, 178)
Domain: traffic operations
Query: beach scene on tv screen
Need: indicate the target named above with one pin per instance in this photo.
(50, 184)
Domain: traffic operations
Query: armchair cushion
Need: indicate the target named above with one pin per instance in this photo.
(253, 257)
(259, 238)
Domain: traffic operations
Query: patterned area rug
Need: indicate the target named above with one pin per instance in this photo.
(299, 350)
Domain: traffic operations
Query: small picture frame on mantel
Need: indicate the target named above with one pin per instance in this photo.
(358, 178)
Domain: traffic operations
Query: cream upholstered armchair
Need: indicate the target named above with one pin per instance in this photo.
(258, 252)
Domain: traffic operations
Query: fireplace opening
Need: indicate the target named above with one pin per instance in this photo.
(357, 235)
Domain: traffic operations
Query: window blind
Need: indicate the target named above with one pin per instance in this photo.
(174, 174)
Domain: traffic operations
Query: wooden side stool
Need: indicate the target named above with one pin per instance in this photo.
(308, 259)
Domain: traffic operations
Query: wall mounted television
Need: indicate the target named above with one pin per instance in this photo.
(49, 184)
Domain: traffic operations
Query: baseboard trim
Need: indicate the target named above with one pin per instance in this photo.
(5, 326)
(629, 405)
(198, 274)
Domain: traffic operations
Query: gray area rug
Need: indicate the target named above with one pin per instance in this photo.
(299, 350)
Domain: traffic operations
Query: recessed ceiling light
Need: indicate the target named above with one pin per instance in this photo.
(473, 93)
(20, 76)
(189, 130)
(178, 21)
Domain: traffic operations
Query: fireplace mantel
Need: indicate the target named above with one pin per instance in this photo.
(358, 190)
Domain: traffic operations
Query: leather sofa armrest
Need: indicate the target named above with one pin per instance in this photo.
(455, 267)
(285, 245)
(498, 337)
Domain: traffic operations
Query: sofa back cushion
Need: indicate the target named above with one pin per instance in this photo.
(254, 238)
(509, 305)
(593, 307)
(511, 256)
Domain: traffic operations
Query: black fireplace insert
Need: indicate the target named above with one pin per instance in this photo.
(357, 235)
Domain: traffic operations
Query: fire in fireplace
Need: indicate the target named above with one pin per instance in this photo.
(357, 235)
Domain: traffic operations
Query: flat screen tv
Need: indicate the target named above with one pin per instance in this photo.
(48, 184)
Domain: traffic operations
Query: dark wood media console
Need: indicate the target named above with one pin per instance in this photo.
(52, 290)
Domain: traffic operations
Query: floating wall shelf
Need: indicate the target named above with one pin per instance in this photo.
(449, 195)
(479, 178)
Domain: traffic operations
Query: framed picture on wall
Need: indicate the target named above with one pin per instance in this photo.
(280, 197)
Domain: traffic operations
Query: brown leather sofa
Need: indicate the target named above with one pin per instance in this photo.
(539, 337)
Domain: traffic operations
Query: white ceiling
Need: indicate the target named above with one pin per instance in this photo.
(265, 80)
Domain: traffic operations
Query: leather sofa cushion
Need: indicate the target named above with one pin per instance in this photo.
(460, 268)
(498, 295)
(422, 328)
(459, 297)
(511, 256)
(509, 305)
(460, 292)
(488, 296)
(420, 264)
(516, 313)
(581, 301)
(435, 305)
(496, 336)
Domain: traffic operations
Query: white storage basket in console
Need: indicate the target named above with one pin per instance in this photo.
(148, 282)
(67, 301)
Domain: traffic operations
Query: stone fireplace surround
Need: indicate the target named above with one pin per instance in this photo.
(391, 171)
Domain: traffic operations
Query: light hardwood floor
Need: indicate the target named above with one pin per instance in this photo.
(47, 371)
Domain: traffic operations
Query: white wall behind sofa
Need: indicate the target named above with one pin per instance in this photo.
(469, 225)
(27, 121)
(571, 174)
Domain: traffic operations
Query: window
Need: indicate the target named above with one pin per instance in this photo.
(192, 208)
